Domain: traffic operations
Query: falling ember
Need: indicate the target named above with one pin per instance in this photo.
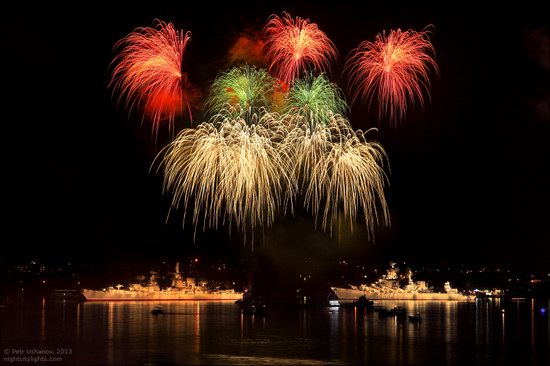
(293, 45)
(147, 72)
(349, 178)
(394, 68)
(340, 171)
(230, 170)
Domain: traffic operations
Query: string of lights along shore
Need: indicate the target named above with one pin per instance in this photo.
(277, 133)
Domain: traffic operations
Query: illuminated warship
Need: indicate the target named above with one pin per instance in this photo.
(388, 288)
(180, 290)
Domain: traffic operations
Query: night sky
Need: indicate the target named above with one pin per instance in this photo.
(469, 176)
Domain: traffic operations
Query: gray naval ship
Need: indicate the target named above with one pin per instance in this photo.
(180, 290)
(388, 288)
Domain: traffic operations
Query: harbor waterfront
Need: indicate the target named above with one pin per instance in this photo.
(221, 183)
(493, 331)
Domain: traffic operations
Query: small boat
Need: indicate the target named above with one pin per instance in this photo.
(255, 309)
(158, 310)
(398, 311)
(363, 303)
(416, 318)
(60, 294)
(384, 313)
(395, 311)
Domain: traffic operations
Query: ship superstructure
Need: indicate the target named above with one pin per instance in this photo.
(388, 288)
(180, 289)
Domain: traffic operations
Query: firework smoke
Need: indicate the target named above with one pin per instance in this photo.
(247, 50)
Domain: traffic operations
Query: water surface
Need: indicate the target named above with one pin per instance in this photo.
(215, 333)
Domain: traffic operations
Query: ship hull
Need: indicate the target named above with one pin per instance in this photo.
(125, 295)
(349, 294)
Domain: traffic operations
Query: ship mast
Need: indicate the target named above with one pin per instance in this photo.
(177, 279)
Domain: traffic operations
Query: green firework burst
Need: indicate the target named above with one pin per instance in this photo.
(316, 99)
(244, 89)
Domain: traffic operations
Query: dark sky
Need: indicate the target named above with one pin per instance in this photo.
(469, 172)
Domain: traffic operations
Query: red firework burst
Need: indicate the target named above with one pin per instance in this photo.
(395, 68)
(294, 44)
(147, 72)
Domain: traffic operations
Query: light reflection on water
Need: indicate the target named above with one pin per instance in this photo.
(113, 333)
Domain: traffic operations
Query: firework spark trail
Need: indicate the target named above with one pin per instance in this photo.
(336, 167)
(234, 171)
(308, 142)
(243, 166)
(312, 109)
(393, 68)
(244, 89)
(293, 45)
(147, 72)
(315, 98)
(348, 175)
